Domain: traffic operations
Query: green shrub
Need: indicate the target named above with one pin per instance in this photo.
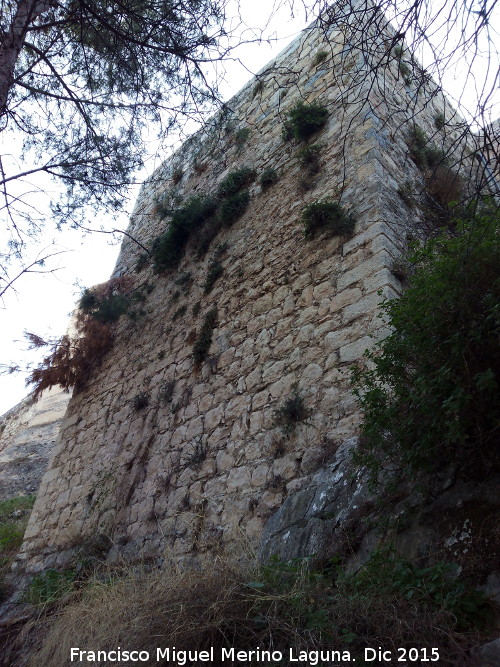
(308, 158)
(241, 137)
(11, 536)
(268, 177)
(10, 509)
(422, 152)
(303, 120)
(168, 249)
(183, 279)
(283, 606)
(14, 514)
(439, 121)
(432, 393)
(204, 340)
(105, 308)
(327, 217)
(320, 57)
(167, 391)
(233, 207)
(235, 181)
(435, 586)
(292, 412)
(215, 270)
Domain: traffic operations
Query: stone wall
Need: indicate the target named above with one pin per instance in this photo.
(27, 435)
(204, 468)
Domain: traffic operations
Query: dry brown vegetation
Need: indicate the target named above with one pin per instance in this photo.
(73, 357)
(275, 607)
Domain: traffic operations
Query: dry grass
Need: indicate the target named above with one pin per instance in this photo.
(224, 605)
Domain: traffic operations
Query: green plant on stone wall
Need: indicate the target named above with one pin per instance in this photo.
(204, 339)
(405, 72)
(268, 178)
(241, 137)
(291, 412)
(439, 121)
(183, 279)
(308, 158)
(304, 120)
(106, 308)
(215, 270)
(326, 217)
(140, 401)
(424, 154)
(320, 57)
(233, 207)
(168, 248)
(49, 586)
(235, 181)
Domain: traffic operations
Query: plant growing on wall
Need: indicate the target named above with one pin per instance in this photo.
(73, 358)
(235, 181)
(326, 217)
(431, 395)
(233, 207)
(168, 249)
(308, 158)
(423, 153)
(215, 270)
(204, 340)
(268, 177)
(291, 412)
(304, 120)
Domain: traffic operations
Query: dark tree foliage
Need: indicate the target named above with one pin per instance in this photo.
(80, 81)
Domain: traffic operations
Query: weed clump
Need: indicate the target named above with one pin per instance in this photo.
(424, 154)
(241, 137)
(140, 401)
(268, 178)
(168, 248)
(235, 181)
(204, 340)
(439, 121)
(308, 158)
(49, 586)
(292, 412)
(233, 207)
(14, 515)
(215, 270)
(291, 608)
(320, 57)
(304, 120)
(326, 217)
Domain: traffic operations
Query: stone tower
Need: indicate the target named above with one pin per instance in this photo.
(166, 456)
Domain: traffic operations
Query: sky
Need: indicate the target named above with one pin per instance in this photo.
(42, 303)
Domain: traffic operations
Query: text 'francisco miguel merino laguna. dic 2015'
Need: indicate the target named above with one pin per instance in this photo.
(181, 657)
